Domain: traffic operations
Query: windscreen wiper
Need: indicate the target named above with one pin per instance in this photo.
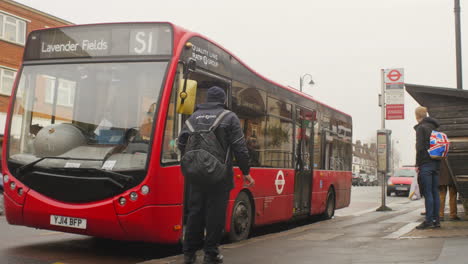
(119, 177)
(27, 167)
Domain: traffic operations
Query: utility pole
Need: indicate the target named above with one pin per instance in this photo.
(458, 44)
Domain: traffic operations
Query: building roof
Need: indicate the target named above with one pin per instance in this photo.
(38, 12)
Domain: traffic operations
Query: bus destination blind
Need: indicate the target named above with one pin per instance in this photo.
(100, 41)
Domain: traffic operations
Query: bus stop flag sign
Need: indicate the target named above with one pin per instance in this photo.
(394, 94)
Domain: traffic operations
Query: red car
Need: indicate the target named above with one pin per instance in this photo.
(400, 181)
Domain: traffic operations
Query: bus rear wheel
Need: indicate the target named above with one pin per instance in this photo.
(330, 209)
(241, 219)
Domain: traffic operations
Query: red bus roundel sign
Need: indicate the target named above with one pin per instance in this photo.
(393, 76)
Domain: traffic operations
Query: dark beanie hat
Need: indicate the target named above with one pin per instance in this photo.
(216, 94)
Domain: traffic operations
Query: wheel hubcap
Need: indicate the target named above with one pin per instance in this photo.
(330, 206)
(241, 218)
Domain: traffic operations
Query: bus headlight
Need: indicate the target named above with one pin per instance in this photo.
(12, 185)
(122, 201)
(133, 196)
(6, 178)
(145, 190)
(20, 191)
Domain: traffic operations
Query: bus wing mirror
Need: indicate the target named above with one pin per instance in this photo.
(189, 67)
(186, 97)
(192, 65)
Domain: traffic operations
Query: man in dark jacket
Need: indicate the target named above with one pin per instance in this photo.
(207, 204)
(446, 184)
(428, 168)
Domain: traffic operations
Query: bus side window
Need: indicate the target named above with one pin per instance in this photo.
(250, 106)
(279, 134)
(175, 121)
(170, 153)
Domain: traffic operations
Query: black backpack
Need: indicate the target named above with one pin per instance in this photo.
(204, 160)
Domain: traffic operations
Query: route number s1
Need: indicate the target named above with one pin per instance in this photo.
(143, 42)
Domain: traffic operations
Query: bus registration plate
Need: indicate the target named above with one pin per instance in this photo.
(66, 221)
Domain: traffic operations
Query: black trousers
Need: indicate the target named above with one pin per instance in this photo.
(206, 210)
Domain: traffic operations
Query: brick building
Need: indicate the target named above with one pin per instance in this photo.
(364, 158)
(16, 21)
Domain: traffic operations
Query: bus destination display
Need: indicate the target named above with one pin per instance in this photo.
(100, 41)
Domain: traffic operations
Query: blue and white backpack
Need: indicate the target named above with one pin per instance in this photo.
(438, 145)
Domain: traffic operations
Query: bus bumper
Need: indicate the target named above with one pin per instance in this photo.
(101, 219)
(13, 211)
(160, 224)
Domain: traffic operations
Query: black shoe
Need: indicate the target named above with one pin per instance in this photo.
(424, 225)
(210, 259)
(423, 213)
(190, 258)
(436, 225)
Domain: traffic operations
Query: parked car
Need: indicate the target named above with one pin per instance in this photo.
(356, 180)
(365, 179)
(400, 181)
(373, 180)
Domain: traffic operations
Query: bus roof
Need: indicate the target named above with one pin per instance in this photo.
(181, 35)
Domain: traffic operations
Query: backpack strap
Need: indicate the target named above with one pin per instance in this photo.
(218, 120)
(190, 127)
(216, 124)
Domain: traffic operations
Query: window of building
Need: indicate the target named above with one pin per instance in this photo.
(7, 79)
(65, 91)
(12, 29)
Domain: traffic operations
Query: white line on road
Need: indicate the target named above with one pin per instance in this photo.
(405, 229)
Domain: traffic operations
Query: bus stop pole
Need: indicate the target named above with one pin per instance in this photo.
(383, 168)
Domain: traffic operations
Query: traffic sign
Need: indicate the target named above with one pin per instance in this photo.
(394, 75)
(395, 112)
(394, 97)
(394, 91)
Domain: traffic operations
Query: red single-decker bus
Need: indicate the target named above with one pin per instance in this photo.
(90, 142)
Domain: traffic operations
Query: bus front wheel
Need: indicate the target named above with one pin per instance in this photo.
(330, 209)
(241, 219)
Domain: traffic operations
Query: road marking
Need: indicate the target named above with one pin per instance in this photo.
(365, 212)
(405, 229)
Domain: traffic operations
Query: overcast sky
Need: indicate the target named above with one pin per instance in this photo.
(343, 44)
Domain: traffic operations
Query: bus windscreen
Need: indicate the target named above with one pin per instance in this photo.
(97, 41)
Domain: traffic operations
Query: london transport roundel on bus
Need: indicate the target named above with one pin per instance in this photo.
(280, 182)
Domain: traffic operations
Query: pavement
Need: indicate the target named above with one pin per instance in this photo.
(361, 237)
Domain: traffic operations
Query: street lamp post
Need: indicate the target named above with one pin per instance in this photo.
(458, 44)
(301, 80)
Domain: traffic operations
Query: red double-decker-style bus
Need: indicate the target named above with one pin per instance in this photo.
(90, 145)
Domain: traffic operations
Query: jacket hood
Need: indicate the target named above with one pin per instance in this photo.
(429, 121)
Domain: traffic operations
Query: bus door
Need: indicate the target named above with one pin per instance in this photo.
(304, 160)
